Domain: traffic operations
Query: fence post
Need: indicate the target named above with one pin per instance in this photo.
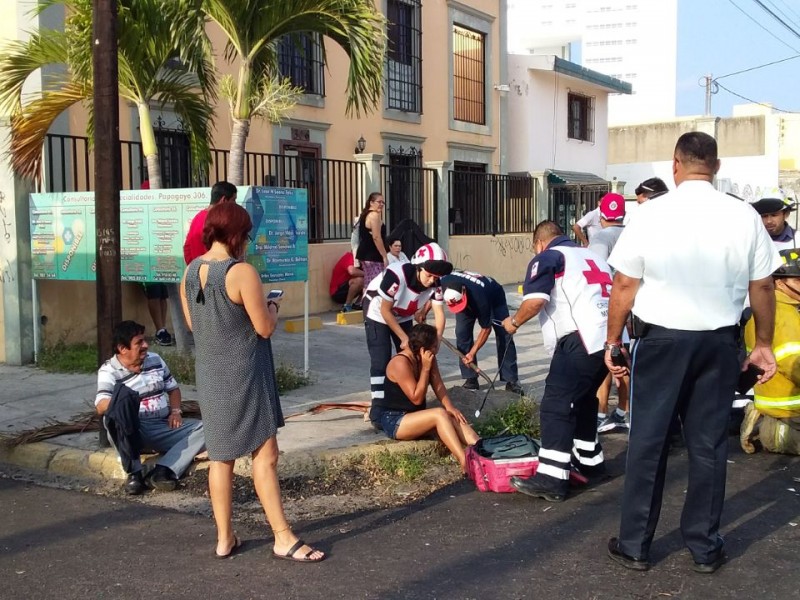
(372, 175)
(442, 168)
(542, 194)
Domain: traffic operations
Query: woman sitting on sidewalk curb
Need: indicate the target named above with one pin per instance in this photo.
(402, 412)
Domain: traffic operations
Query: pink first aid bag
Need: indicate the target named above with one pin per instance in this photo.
(493, 461)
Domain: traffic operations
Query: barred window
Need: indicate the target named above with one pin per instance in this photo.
(404, 55)
(301, 59)
(580, 117)
(469, 75)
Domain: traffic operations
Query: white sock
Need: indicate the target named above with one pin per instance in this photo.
(620, 413)
(601, 415)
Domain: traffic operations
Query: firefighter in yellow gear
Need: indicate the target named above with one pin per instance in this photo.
(777, 402)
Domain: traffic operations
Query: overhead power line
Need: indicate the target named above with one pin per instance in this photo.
(749, 16)
(790, 9)
(754, 102)
(786, 17)
(774, 62)
(778, 19)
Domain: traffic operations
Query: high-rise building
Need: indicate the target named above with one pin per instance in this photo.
(632, 40)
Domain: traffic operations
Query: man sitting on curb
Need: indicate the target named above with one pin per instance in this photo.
(141, 406)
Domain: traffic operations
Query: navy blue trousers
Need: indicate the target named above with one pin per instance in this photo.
(465, 330)
(691, 374)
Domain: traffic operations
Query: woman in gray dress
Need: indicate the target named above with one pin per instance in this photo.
(224, 304)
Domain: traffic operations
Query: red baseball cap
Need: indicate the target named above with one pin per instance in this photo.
(612, 207)
(455, 297)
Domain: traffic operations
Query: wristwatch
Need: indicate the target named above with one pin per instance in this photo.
(609, 345)
(514, 323)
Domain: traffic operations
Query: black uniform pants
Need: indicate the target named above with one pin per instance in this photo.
(506, 350)
(380, 339)
(568, 413)
(691, 374)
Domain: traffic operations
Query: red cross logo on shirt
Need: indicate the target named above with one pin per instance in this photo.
(595, 275)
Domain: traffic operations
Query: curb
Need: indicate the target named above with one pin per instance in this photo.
(104, 464)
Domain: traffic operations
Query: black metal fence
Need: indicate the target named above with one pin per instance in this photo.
(334, 186)
(568, 203)
(410, 193)
(491, 204)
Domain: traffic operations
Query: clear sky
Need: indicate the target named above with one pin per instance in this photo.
(715, 37)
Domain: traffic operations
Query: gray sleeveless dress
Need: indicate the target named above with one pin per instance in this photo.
(234, 368)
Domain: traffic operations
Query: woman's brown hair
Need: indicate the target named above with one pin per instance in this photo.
(229, 224)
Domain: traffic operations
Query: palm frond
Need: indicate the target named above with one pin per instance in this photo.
(19, 60)
(29, 126)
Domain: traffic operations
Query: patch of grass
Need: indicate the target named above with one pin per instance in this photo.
(520, 416)
(290, 378)
(82, 358)
(405, 466)
(68, 358)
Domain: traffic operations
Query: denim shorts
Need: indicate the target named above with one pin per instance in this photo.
(389, 421)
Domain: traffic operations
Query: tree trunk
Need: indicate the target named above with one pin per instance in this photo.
(184, 340)
(149, 147)
(241, 129)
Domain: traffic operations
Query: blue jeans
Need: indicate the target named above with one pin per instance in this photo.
(178, 446)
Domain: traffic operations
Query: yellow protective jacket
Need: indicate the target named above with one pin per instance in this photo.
(780, 396)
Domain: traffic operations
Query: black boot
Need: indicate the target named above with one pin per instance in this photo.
(135, 484)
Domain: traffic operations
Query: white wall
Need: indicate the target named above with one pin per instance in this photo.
(748, 176)
(537, 108)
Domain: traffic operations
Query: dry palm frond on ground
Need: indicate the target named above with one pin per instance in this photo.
(90, 421)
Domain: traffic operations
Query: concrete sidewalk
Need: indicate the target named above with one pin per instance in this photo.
(339, 372)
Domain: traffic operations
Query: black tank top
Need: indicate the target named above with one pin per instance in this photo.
(394, 398)
(366, 245)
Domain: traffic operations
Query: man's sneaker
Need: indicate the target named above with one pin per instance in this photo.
(471, 384)
(347, 308)
(613, 422)
(161, 478)
(163, 338)
(357, 306)
(515, 388)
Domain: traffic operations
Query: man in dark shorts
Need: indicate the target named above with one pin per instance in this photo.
(157, 296)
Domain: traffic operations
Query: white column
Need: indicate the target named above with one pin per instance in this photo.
(16, 327)
(372, 176)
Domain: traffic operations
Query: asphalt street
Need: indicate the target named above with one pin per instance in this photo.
(458, 543)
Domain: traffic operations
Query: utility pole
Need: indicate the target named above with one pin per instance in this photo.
(107, 173)
(711, 88)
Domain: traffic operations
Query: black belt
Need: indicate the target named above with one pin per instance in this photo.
(640, 328)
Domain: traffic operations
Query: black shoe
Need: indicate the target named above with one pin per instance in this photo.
(618, 556)
(135, 484)
(162, 479)
(536, 489)
(711, 567)
(471, 384)
(515, 388)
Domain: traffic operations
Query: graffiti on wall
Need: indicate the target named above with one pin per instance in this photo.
(510, 246)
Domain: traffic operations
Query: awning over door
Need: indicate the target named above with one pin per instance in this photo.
(555, 177)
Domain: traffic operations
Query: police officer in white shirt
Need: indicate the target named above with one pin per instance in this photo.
(687, 297)
(568, 287)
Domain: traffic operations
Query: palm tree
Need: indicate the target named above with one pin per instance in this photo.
(253, 29)
(161, 61)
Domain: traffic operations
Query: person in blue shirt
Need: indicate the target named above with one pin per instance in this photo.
(475, 297)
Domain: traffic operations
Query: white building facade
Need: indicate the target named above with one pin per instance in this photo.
(631, 40)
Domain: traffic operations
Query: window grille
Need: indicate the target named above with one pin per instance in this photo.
(404, 55)
(469, 75)
(301, 59)
(580, 117)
